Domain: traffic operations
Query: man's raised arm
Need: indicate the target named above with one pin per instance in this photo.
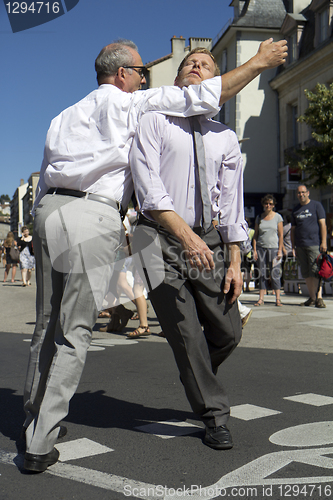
(270, 55)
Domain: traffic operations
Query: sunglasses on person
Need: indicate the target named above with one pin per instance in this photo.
(141, 70)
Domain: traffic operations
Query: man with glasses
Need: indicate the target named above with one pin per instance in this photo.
(309, 238)
(85, 178)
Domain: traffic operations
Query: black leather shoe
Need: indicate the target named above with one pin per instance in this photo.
(39, 463)
(218, 438)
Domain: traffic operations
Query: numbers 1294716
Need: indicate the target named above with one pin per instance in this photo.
(33, 7)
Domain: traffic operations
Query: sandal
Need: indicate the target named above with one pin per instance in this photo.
(278, 303)
(137, 333)
(259, 303)
(104, 314)
(136, 316)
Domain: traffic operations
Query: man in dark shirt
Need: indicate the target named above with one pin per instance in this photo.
(309, 238)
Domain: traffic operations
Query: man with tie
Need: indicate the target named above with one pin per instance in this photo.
(187, 172)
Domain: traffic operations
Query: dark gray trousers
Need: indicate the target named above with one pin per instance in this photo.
(201, 328)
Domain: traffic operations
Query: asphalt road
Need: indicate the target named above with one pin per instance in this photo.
(131, 432)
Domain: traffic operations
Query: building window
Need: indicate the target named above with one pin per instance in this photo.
(323, 25)
(293, 47)
(292, 126)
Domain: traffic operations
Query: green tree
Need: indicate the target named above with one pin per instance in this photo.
(316, 157)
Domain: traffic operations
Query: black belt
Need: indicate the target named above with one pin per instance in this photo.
(151, 223)
(89, 196)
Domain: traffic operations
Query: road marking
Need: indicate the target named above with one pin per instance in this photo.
(93, 348)
(169, 429)
(311, 399)
(256, 473)
(314, 434)
(251, 412)
(82, 475)
(80, 448)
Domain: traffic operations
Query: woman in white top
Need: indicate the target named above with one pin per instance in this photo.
(267, 248)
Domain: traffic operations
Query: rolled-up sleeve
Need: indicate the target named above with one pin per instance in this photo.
(200, 99)
(145, 166)
(231, 222)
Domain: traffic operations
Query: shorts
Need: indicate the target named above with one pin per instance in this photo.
(306, 257)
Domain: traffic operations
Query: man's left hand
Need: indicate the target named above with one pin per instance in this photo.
(233, 282)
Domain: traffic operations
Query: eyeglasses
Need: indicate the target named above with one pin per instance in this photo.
(141, 70)
(268, 203)
(302, 192)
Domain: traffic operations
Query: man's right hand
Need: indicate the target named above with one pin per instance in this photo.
(271, 54)
(197, 252)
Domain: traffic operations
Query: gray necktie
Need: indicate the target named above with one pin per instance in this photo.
(201, 162)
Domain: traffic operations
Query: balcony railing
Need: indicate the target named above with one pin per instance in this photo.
(223, 30)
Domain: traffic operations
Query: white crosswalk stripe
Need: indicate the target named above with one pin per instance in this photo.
(169, 429)
(311, 399)
(80, 448)
(251, 412)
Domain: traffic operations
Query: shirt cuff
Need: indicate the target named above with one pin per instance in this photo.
(157, 203)
(233, 232)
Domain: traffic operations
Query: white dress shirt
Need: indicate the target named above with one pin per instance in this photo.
(165, 174)
(87, 145)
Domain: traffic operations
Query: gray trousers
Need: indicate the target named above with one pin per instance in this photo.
(75, 241)
(266, 269)
(201, 328)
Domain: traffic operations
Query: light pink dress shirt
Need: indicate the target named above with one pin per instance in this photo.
(165, 175)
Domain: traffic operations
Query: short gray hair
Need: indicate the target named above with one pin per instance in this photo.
(114, 56)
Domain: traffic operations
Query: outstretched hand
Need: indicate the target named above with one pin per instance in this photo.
(272, 54)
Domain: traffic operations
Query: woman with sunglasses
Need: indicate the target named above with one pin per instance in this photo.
(267, 248)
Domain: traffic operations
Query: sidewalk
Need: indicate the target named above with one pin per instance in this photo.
(290, 327)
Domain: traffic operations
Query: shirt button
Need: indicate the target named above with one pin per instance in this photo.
(190, 208)
(100, 219)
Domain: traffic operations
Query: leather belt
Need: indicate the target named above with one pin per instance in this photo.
(147, 222)
(83, 194)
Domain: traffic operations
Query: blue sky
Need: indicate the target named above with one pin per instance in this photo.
(48, 68)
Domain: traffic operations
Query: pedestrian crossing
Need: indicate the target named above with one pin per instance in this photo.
(169, 429)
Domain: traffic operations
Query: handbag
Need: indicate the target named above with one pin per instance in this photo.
(14, 253)
(325, 266)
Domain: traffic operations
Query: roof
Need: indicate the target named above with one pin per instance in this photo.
(161, 59)
(262, 14)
